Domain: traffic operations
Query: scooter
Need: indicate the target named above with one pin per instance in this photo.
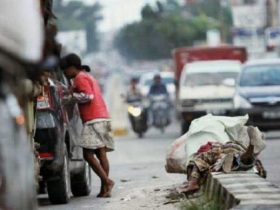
(138, 117)
(160, 108)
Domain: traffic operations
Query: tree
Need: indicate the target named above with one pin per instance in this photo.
(75, 15)
(215, 10)
(161, 29)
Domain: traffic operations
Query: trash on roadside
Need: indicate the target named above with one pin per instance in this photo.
(202, 130)
(215, 144)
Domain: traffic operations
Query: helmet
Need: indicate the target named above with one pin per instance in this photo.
(21, 29)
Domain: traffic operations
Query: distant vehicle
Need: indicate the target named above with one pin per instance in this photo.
(58, 126)
(258, 93)
(138, 117)
(207, 87)
(182, 57)
(160, 111)
(146, 81)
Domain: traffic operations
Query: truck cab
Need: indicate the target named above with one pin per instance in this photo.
(205, 77)
(207, 87)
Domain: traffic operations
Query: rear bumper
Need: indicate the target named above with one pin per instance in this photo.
(265, 119)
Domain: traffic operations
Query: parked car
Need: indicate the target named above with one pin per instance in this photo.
(58, 127)
(207, 87)
(168, 78)
(258, 93)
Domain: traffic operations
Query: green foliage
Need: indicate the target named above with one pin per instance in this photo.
(200, 203)
(77, 16)
(214, 9)
(161, 29)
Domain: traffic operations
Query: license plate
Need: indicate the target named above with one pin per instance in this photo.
(271, 115)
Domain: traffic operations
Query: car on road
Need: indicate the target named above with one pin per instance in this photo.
(258, 93)
(206, 87)
(58, 126)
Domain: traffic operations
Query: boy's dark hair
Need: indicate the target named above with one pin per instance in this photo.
(71, 60)
(86, 68)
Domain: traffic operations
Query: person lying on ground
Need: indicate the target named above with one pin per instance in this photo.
(215, 157)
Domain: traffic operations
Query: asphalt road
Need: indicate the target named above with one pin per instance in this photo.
(138, 165)
(271, 157)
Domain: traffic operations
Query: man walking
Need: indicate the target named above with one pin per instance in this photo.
(96, 139)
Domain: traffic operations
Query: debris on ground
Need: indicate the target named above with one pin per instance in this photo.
(223, 144)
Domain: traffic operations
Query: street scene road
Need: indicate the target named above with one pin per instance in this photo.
(137, 166)
(100, 98)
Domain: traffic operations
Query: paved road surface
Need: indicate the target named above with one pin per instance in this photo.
(271, 157)
(138, 164)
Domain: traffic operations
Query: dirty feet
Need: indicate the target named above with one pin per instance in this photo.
(102, 191)
(189, 188)
(107, 190)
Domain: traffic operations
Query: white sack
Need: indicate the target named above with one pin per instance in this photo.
(202, 130)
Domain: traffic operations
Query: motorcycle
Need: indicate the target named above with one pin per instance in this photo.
(160, 108)
(138, 117)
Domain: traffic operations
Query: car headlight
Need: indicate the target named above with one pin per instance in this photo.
(134, 111)
(241, 102)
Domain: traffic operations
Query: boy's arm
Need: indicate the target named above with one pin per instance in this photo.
(84, 92)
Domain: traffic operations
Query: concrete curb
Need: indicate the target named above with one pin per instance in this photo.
(242, 190)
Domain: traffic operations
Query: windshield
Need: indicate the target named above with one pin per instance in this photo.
(206, 79)
(165, 80)
(263, 75)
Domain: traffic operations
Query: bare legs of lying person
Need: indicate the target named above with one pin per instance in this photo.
(193, 184)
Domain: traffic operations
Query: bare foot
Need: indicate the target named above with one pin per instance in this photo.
(102, 192)
(109, 187)
(191, 188)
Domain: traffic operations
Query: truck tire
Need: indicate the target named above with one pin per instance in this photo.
(81, 182)
(184, 127)
(59, 189)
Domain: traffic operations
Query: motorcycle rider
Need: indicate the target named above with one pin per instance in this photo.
(133, 93)
(158, 87)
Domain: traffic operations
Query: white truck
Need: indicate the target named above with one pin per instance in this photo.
(207, 87)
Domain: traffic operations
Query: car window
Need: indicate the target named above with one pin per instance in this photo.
(262, 75)
(165, 80)
(204, 79)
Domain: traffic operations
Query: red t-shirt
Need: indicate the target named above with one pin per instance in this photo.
(95, 108)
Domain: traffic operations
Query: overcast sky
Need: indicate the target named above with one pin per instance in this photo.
(116, 13)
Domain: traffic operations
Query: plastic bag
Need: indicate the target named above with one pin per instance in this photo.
(208, 128)
(176, 161)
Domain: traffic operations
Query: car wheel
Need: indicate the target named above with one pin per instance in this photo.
(59, 189)
(81, 182)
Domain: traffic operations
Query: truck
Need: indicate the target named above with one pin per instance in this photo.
(205, 79)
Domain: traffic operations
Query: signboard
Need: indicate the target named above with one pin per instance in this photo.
(213, 38)
(272, 36)
(251, 38)
(249, 15)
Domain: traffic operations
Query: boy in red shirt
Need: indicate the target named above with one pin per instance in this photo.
(96, 137)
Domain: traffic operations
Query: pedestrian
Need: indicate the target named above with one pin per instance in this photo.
(96, 139)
